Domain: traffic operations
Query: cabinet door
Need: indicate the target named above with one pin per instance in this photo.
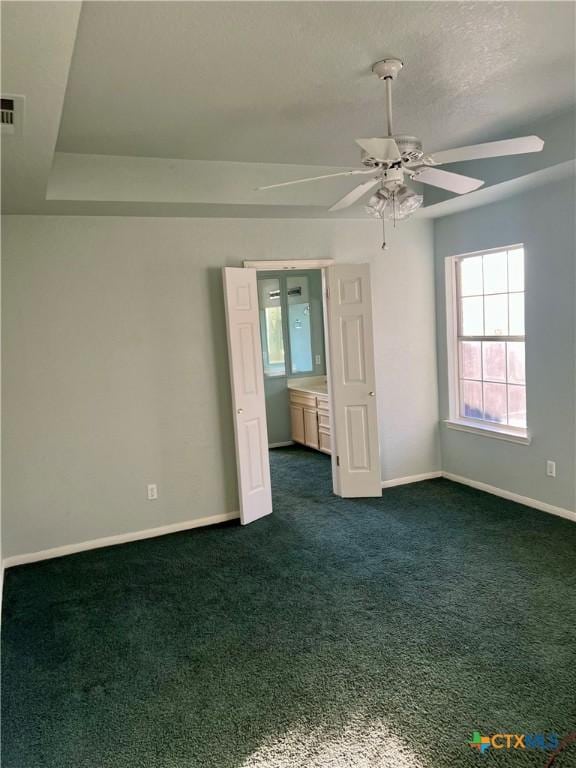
(297, 423)
(311, 427)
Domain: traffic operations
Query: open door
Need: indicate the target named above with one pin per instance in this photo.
(247, 379)
(352, 381)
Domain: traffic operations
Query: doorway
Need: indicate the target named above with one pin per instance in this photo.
(349, 399)
(292, 338)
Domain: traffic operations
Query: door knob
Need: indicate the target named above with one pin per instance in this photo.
(371, 394)
(240, 410)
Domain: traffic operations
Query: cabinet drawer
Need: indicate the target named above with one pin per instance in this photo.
(323, 419)
(322, 402)
(324, 441)
(302, 398)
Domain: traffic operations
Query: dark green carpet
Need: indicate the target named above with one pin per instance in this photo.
(334, 633)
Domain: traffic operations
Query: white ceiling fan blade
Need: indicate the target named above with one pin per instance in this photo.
(453, 182)
(355, 194)
(520, 146)
(317, 178)
(386, 150)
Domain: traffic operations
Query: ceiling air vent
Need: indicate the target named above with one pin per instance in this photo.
(11, 114)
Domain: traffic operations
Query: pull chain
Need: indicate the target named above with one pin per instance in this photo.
(384, 245)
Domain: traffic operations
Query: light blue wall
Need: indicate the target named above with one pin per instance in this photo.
(277, 410)
(542, 219)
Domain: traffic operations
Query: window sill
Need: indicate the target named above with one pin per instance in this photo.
(522, 438)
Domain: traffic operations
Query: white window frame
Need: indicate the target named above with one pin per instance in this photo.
(455, 420)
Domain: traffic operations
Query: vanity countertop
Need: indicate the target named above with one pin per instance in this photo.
(314, 385)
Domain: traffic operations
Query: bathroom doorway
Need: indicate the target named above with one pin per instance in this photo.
(291, 315)
(342, 400)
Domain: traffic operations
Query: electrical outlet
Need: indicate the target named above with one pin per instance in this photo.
(152, 492)
(551, 468)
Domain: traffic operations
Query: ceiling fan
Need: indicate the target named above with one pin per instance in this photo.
(389, 160)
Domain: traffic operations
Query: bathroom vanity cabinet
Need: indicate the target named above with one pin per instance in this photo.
(310, 416)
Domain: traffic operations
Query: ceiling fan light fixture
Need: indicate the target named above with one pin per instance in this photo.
(407, 202)
(395, 204)
(377, 203)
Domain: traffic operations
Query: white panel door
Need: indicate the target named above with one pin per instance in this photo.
(248, 400)
(352, 381)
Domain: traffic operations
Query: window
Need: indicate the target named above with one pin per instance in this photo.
(275, 342)
(291, 324)
(488, 341)
(269, 297)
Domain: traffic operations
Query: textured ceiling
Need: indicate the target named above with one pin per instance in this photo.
(290, 82)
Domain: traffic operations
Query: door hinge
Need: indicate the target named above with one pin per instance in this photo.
(337, 461)
(327, 293)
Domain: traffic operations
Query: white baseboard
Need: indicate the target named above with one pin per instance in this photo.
(281, 445)
(410, 479)
(122, 538)
(541, 505)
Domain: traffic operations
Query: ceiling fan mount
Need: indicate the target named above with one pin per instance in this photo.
(387, 68)
(391, 158)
